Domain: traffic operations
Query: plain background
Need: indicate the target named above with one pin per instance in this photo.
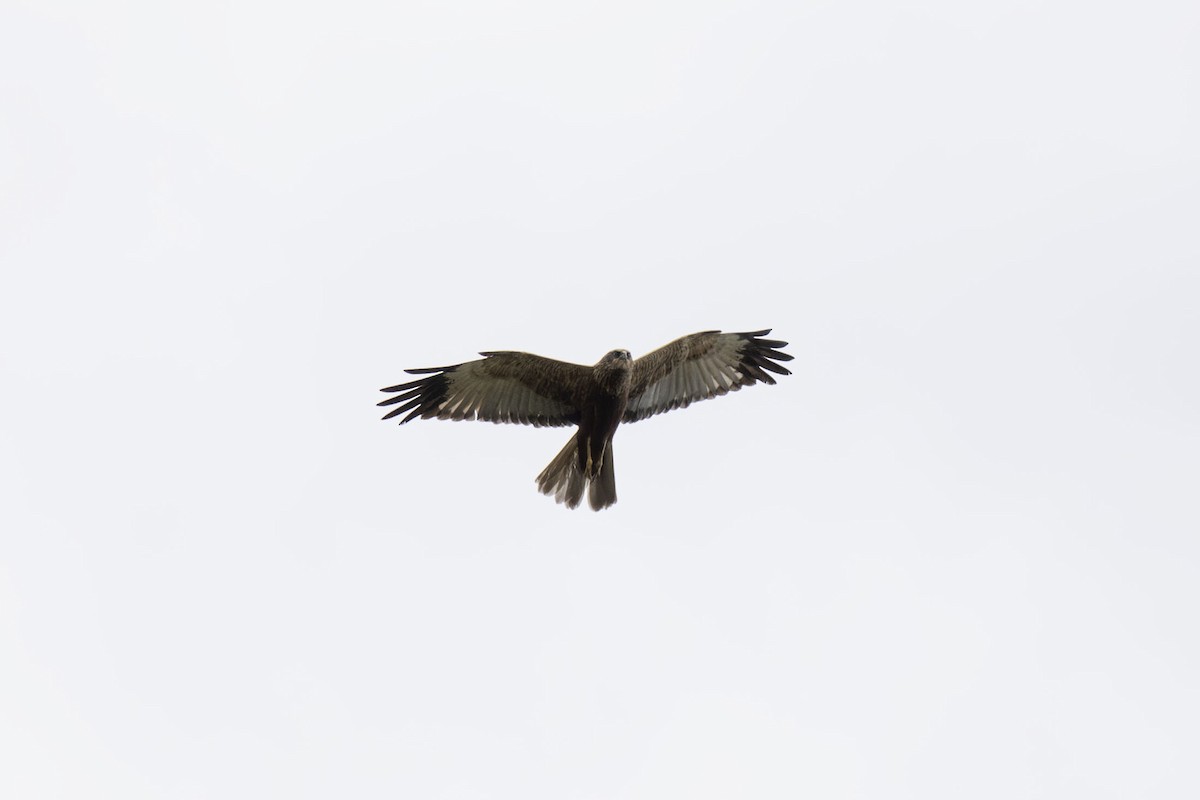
(954, 555)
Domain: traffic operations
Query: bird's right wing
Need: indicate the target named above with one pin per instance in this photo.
(501, 387)
(701, 366)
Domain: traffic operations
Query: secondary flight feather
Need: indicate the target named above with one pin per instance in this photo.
(527, 389)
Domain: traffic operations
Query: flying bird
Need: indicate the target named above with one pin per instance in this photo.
(524, 388)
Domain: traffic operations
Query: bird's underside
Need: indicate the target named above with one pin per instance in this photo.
(523, 388)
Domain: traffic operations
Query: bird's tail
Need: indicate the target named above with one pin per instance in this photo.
(602, 489)
(565, 481)
(562, 478)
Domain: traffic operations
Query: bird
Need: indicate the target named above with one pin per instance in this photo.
(514, 387)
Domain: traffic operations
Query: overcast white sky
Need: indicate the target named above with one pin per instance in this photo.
(955, 555)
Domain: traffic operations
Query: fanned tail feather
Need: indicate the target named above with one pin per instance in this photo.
(602, 489)
(563, 480)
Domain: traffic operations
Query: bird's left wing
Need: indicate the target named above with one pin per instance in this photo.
(701, 366)
(501, 387)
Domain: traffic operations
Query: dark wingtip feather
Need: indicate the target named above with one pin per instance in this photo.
(413, 402)
(401, 387)
(760, 357)
(407, 394)
(393, 413)
(771, 365)
(420, 396)
(752, 370)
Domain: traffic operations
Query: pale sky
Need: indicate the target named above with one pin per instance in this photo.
(955, 555)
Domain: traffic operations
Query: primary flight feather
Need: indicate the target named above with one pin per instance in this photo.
(523, 388)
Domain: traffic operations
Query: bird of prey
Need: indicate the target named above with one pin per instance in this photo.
(506, 386)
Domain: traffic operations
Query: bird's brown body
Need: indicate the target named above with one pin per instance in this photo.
(599, 415)
(532, 390)
(602, 411)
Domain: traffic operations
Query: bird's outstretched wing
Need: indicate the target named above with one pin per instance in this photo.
(701, 366)
(501, 387)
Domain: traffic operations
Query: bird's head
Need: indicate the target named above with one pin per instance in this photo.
(614, 371)
(614, 362)
(615, 357)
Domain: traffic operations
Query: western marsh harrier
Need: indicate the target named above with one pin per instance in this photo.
(505, 386)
